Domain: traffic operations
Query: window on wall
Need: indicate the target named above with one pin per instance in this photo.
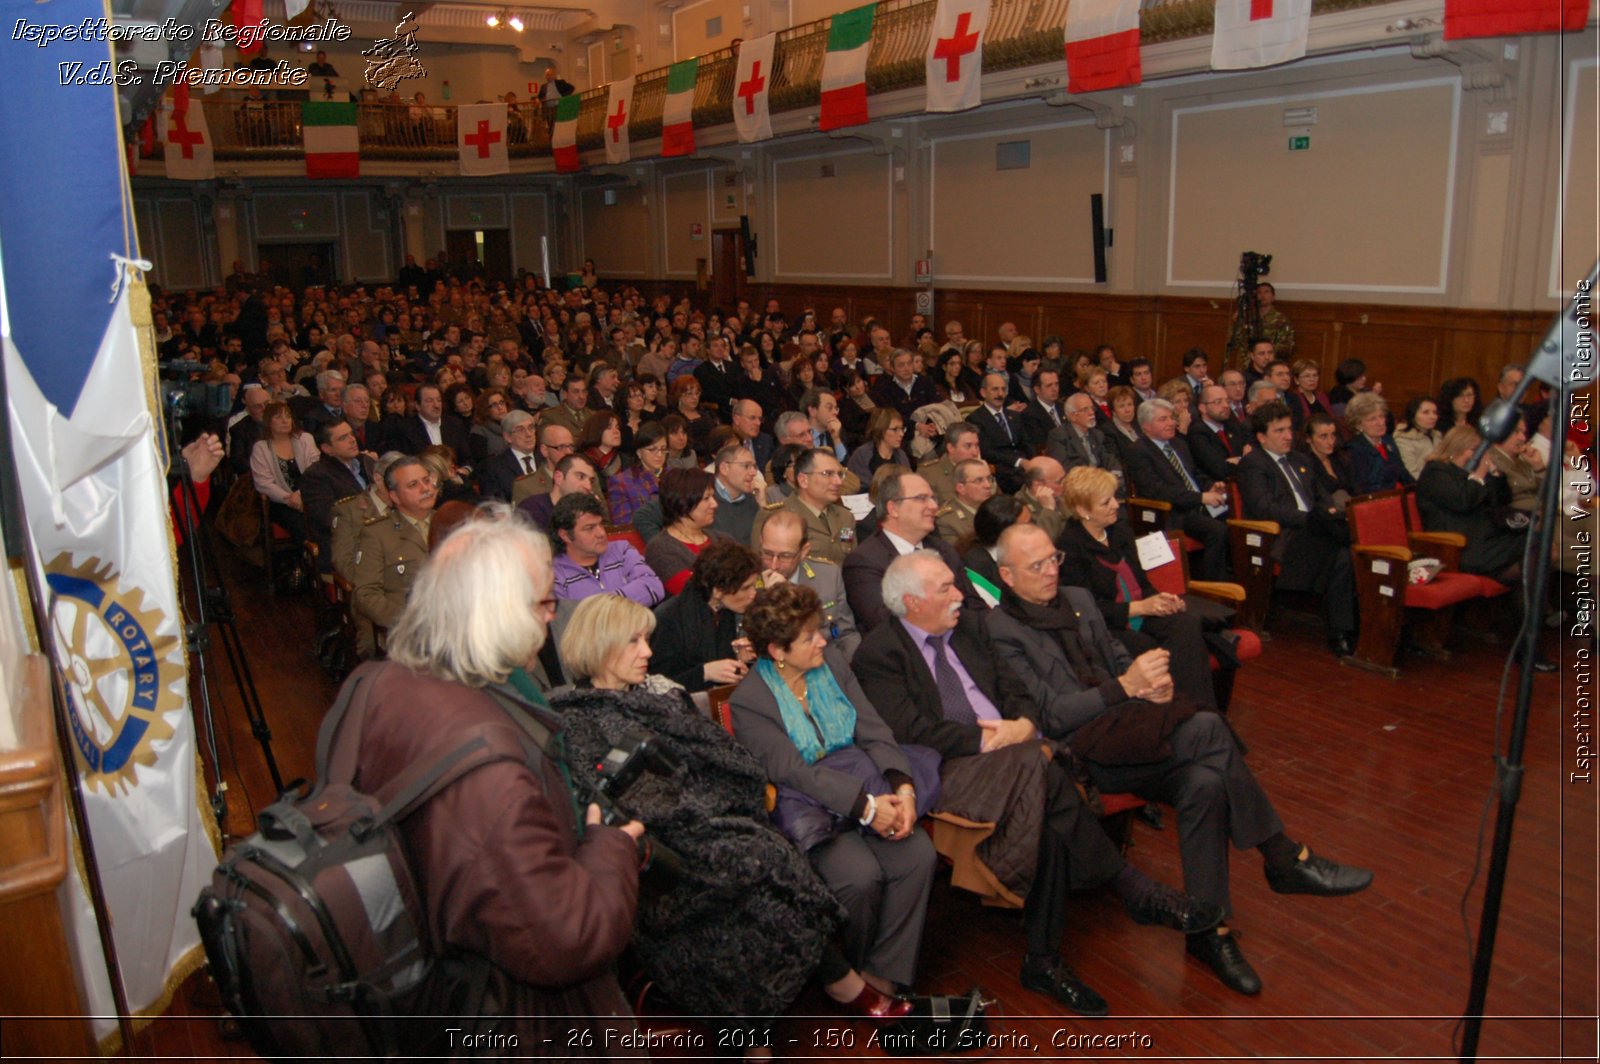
(714, 27)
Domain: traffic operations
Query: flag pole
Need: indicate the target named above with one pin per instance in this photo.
(17, 549)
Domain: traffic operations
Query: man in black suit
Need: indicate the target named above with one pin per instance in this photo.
(520, 457)
(717, 375)
(342, 471)
(1000, 433)
(1078, 443)
(745, 417)
(903, 388)
(244, 434)
(328, 405)
(606, 391)
(432, 425)
(1045, 413)
(1277, 483)
(933, 676)
(1161, 467)
(907, 511)
(1218, 440)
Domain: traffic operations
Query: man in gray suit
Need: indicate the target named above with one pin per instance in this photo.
(786, 555)
(1079, 443)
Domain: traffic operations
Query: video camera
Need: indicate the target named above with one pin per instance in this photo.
(1252, 266)
(616, 773)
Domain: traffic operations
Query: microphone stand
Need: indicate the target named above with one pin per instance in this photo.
(1555, 362)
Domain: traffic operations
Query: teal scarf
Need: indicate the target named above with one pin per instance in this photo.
(831, 723)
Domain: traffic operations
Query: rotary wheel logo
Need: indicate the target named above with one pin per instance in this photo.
(119, 674)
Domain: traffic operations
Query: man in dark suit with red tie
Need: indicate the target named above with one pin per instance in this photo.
(1160, 467)
(1000, 433)
(342, 471)
(1276, 483)
(1218, 440)
(1044, 413)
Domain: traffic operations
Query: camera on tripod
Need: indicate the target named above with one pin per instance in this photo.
(1253, 266)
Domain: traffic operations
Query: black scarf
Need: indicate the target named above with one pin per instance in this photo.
(1061, 620)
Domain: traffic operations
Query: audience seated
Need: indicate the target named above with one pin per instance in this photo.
(588, 563)
(392, 549)
(737, 479)
(1160, 466)
(688, 506)
(830, 526)
(1124, 722)
(934, 678)
(277, 462)
(340, 473)
(636, 484)
(906, 510)
(1375, 463)
(848, 796)
(698, 641)
(785, 550)
(1420, 434)
(573, 475)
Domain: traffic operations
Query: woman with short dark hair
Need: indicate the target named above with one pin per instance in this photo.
(688, 504)
(847, 793)
(698, 642)
(886, 434)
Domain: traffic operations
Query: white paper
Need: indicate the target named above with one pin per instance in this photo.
(858, 505)
(1154, 551)
(1380, 566)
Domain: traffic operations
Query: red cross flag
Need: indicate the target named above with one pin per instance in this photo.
(751, 89)
(185, 136)
(619, 112)
(1102, 44)
(481, 139)
(1259, 33)
(955, 55)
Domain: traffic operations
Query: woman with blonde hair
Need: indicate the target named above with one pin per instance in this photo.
(1375, 463)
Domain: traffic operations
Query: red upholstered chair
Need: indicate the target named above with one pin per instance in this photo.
(626, 534)
(1250, 545)
(1154, 515)
(1384, 546)
(1173, 578)
(1446, 546)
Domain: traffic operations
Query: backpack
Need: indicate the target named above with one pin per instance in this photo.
(314, 927)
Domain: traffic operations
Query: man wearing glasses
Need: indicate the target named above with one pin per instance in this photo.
(907, 513)
(737, 504)
(786, 555)
(555, 443)
(830, 527)
(1122, 718)
(974, 486)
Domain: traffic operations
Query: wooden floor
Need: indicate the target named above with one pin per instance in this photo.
(1392, 775)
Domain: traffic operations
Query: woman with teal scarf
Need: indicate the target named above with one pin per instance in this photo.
(804, 716)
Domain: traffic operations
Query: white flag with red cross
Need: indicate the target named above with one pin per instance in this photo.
(185, 137)
(955, 55)
(751, 89)
(481, 139)
(1259, 33)
(619, 112)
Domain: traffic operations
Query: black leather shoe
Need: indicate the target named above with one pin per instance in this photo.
(1150, 813)
(1059, 981)
(1165, 907)
(1221, 954)
(1318, 875)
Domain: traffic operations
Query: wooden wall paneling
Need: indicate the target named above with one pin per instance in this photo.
(1405, 360)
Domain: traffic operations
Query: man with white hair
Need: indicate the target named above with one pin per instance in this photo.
(357, 407)
(1079, 443)
(1161, 467)
(329, 404)
(519, 459)
(1123, 722)
(511, 876)
(933, 677)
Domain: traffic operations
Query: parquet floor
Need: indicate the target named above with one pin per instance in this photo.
(1392, 775)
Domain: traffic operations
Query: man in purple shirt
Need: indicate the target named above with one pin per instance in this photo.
(590, 563)
(934, 678)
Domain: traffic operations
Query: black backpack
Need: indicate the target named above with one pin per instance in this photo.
(314, 928)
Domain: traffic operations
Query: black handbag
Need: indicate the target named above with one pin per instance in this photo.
(939, 1024)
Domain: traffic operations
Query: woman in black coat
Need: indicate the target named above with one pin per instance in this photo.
(698, 641)
(1453, 500)
(1099, 555)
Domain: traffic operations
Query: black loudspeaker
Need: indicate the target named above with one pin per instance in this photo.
(749, 245)
(1102, 237)
(12, 532)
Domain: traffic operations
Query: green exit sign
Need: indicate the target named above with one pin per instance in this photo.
(1300, 143)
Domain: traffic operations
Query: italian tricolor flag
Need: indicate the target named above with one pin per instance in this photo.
(564, 138)
(677, 114)
(844, 69)
(1102, 44)
(332, 149)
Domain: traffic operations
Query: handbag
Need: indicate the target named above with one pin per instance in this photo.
(808, 823)
(940, 1024)
(238, 520)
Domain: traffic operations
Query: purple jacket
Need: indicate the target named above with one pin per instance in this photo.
(621, 570)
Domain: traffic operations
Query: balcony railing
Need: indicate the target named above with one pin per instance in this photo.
(1021, 33)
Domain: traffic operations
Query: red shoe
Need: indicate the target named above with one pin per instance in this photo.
(873, 1004)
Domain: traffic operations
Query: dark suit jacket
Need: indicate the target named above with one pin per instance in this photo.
(1451, 501)
(1209, 452)
(1371, 471)
(412, 437)
(716, 386)
(863, 577)
(1005, 451)
(325, 483)
(1082, 567)
(887, 392)
(1266, 495)
(242, 439)
(316, 415)
(1154, 478)
(900, 686)
(1067, 447)
(498, 474)
(1036, 425)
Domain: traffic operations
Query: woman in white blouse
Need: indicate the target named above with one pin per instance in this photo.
(282, 454)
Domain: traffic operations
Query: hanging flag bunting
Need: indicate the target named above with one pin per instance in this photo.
(844, 69)
(332, 148)
(92, 480)
(1259, 33)
(752, 89)
(247, 13)
(1102, 44)
(619, 112)
(677, 115)
(185, 136)
(564, 137)
(481, 139)
(955, 55)
(1509, 18)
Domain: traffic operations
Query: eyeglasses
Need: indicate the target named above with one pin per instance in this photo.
(924, 499)
(980, 480)
(781, 557)
(559, 448)
(1047, 564)
(831, 474)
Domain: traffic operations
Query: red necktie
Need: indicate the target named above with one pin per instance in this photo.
(1382, 450)
(1225, 444)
